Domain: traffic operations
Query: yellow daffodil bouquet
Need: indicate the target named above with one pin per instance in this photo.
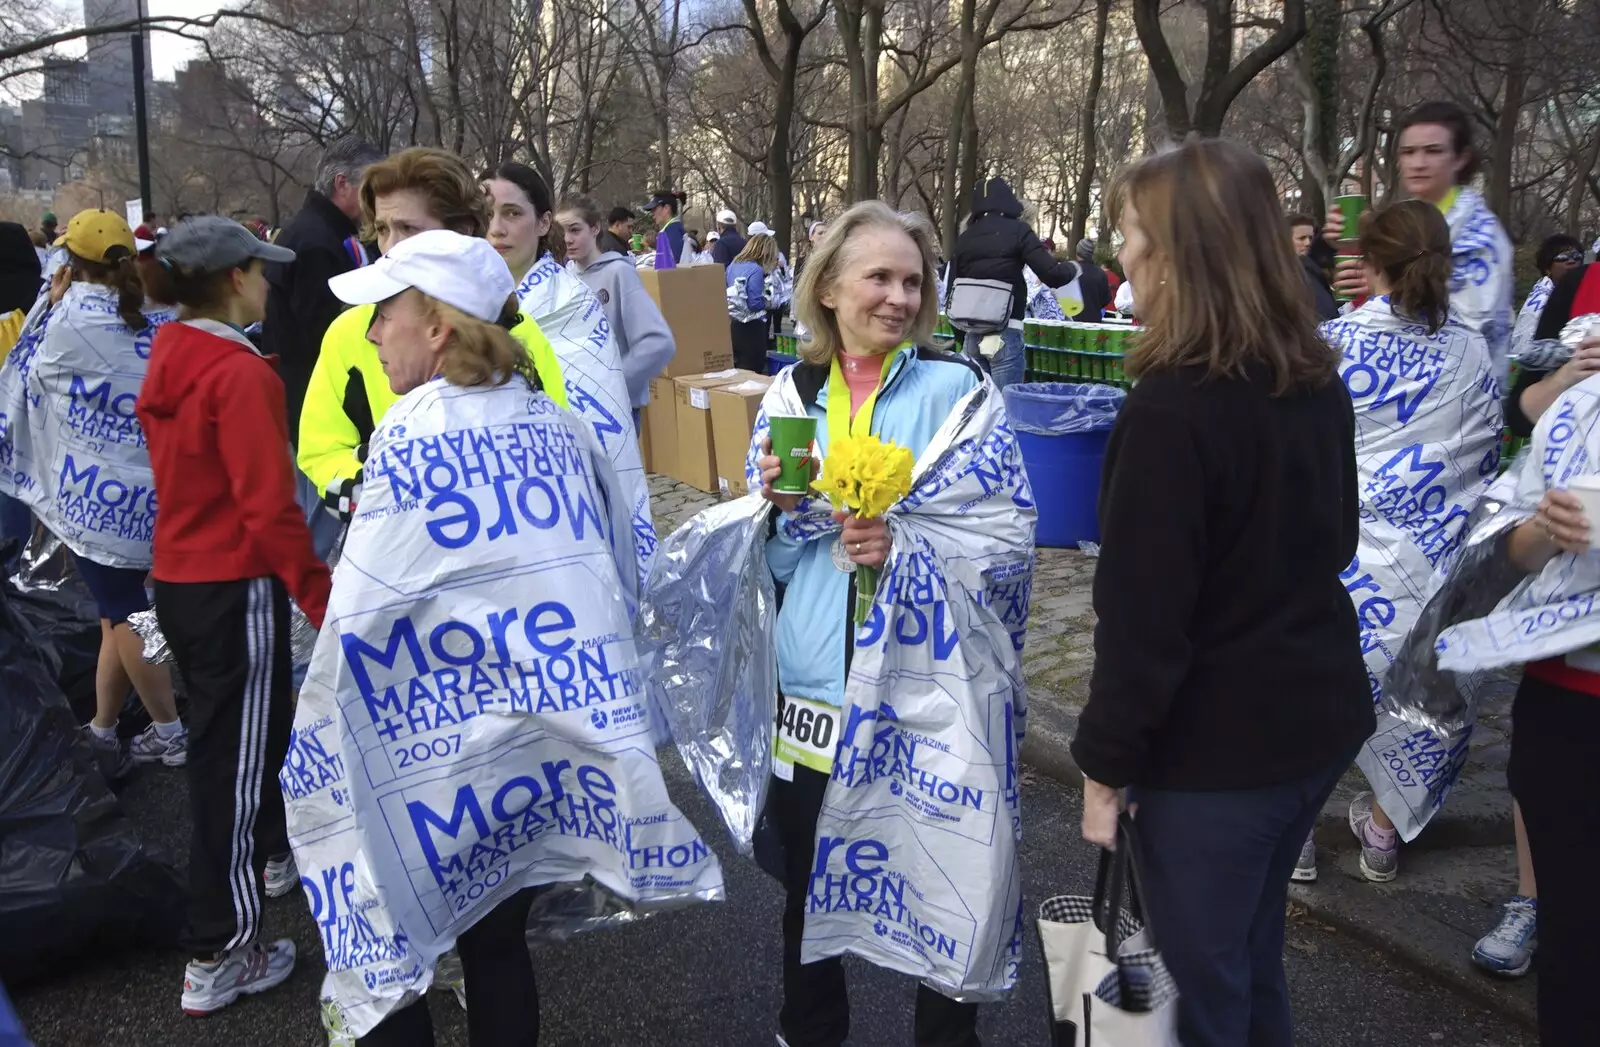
(865, 476)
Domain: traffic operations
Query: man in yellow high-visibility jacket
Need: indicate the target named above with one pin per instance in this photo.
(411, 192)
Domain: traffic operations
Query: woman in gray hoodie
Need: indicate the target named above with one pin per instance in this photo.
(643, 338)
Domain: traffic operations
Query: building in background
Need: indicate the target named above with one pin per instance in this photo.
(83, 115)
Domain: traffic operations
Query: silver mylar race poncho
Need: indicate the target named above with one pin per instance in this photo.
(1482, 273)
(1489, 617)
(916, 855)
(1555, 612)
(71, 447)
(1427, 416)
(475, 719)
(574, 321)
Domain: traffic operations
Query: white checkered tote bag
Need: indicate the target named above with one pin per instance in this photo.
(1106, 983)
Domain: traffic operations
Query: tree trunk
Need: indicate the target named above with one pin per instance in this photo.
(1317, 69)
(1163, 65)
(960, 108)
(780, 164)
(1086, 131)
(1579, 179)
(664, 132)
(1222, 80)
(1505, 133)
(967, 180)
(860, 31)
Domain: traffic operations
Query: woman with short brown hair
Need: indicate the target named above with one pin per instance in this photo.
(413, 191)
(1228, 693)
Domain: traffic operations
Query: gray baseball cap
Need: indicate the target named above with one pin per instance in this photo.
(214, 244)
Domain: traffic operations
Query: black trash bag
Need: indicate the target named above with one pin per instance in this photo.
(74, 876)
(47, 592)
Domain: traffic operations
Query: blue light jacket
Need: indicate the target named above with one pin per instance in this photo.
(924, 385)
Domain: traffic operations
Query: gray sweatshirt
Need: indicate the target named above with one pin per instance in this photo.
(644, 341)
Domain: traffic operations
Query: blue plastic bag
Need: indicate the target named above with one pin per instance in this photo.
(1062, 408)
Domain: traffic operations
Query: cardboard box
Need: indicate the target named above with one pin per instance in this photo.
(661, 426)
(644, 447)
(733, 417)
(694, 300)
(696, 463)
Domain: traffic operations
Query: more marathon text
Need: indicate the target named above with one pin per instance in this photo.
(460, 670)
(349, 939)
(916, 593)
(98, 415)
(866, 886)
(308, 766)
(463, 459)
(1404, 493)
(1386, 367)
(873, 746)
(104, 505)
(468, 849)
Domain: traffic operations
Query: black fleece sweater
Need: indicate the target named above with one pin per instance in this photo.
(1227, 654)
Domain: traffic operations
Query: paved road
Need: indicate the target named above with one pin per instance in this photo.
(708, 978)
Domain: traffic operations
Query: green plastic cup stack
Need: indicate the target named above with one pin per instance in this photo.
(1118, 347)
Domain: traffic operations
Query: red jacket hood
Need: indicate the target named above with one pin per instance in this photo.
(173, 376)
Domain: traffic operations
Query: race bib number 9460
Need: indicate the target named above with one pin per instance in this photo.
(807, 734)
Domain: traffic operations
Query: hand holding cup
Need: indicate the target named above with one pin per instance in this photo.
(1565, 515)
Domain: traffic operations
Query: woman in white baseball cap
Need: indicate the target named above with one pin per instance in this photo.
(443, 305)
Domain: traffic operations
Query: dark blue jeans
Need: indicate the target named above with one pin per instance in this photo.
(1009, 365)
(1216, 878)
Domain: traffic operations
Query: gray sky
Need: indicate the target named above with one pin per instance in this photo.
(167, 51)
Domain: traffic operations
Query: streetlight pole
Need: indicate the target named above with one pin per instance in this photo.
(141, 114)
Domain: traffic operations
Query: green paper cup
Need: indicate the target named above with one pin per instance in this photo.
(792, 437)
(1337, 294)
(1351, 207)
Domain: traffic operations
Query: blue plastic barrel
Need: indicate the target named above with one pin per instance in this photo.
(778, 361)
(1062, 429)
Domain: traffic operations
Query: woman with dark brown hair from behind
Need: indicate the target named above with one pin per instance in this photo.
(1427, 446)
(1228, 693)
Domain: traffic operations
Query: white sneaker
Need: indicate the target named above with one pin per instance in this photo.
(333, 1025)
(114, 759)
(151, 747)
(1378, 864)
(1508, 950)
(252, 968)
(282, 876)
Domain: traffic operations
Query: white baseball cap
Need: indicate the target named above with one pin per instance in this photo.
(727, 217)
(759, 229)
(713, 235)
(463, 271)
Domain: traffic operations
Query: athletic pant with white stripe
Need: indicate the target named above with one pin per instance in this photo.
(231, 643)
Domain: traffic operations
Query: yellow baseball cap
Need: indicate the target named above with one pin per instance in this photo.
(95, 235)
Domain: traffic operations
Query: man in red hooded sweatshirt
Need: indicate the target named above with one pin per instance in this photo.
(231, 548)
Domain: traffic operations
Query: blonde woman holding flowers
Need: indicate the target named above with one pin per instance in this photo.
(867, 296)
